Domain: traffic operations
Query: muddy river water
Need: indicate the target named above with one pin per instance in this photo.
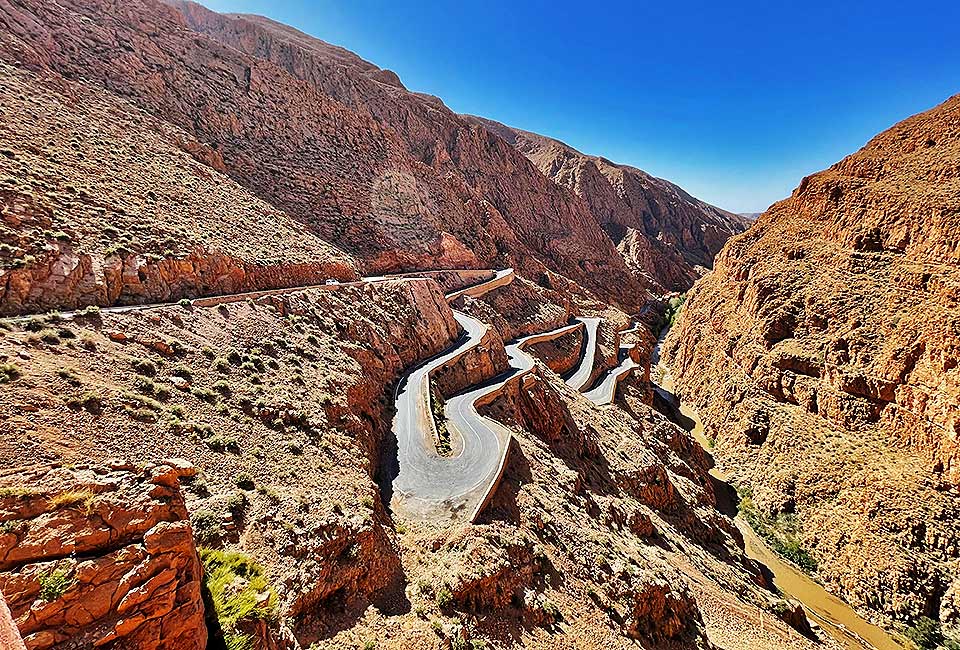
(834, 616)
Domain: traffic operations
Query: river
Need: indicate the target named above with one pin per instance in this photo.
(834, 616)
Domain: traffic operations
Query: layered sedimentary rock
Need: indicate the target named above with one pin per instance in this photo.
(665, 235)
(101, 557)
(823, 353)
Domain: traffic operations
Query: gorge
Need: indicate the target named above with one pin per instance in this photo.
(294, 357)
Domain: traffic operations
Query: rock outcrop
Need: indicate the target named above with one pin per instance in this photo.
(823, 354)
(101, 557)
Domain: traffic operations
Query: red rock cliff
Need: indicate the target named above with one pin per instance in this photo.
(825, 345)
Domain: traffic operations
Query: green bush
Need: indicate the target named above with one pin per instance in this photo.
(9, 372)
(53, 584)
(238, 590)
(925, 633)
(244, 481)
(145, 367)
(206, 526)
(444, 597)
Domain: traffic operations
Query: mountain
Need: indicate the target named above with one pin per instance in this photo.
(292, 357)
(665, 235)
(823, 353)
(390, 179)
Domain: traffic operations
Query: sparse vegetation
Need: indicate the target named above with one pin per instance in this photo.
(18, 492)
(674, 305)
(239, 591)
(9, 372)
(780, 532)
(145, 367)
(444, 597)
(206, 526)
(437, 408)
(244, 481)
(204, 395)
(81, 499)
(222, 443)
(89, 401)
(53, 584)
(927, 634)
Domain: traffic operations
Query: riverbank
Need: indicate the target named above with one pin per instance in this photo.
(832, 615)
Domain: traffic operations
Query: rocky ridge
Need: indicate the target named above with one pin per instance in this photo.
(666, 237)
(101, 557)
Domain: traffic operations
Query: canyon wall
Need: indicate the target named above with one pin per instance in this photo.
(201, 127)
(823, 354)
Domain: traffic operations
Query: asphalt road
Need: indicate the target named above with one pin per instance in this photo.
(604, 392)
(580, 378)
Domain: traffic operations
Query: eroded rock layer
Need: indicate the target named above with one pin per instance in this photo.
(101, 558)
(823, 353)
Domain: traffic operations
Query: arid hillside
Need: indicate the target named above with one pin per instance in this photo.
(380, 178)
(823, 354)
(665, 236)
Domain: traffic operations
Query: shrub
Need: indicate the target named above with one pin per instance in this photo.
(208, 352)
(221, 365)
(237, 503)
(244, 481)
(221, 443)
(145, 367)
(204, 395)
(444, 597)
(9, 372)
(239, 592)
(49, 336)
(34, 324)
(222, 387)
(53, 584)
(206, 526)
(925, 633)
(140, 414)
(145, 385)
(88, 401)
(183, 371)
(81, 499)
(18, 492)
(88, 342)
(185, 302)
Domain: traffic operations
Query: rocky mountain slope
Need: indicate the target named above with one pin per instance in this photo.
(162, 153)
(603, 532)
(823, 354)
(373, 177)
(665, 235)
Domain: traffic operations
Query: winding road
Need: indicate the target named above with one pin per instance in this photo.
(430, 486)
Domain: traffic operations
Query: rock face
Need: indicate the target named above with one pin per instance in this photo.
(663, 233)
(101, 557)
(155, 225)
(823, 353)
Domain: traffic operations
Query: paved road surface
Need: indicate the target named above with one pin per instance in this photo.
(580, 377)
(604, 392)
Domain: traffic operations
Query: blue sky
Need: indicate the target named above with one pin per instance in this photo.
(734, 101)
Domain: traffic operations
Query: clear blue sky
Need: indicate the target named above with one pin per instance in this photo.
(734, 101)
